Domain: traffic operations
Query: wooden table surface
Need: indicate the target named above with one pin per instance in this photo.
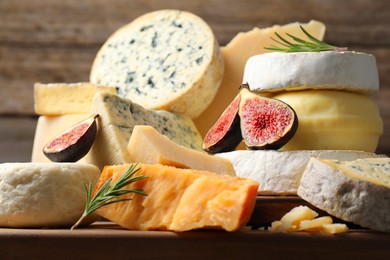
(56, 41)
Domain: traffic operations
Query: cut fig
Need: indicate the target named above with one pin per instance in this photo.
(225, 134)
(266, 123)
(74, 143)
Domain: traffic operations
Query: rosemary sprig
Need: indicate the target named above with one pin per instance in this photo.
(108, 194)
(299, 45)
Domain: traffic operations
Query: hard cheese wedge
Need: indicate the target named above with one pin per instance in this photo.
(235, 55)
(181, 199)
(147, 145)
(63, 98)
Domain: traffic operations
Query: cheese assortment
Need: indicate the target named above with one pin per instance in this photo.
(167, 59)
(181, 199)
(156, 90)
(43, 194)
(356, 191)
(280, 172)
(62, 99)
(159, 149)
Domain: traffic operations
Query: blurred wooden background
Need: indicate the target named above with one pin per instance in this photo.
(56, 41)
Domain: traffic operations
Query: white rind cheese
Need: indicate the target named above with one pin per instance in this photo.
(356, 191)
(117, 118)
(66, 98)
(43, 194)
(350, 71)
(166, 59)
(280, 172)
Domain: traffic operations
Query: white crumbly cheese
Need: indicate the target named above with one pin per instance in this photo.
(66, 98)
(117, 118)
(43, 194)
(279, 172)
(350, 71)
(166, 59)
(356, 191)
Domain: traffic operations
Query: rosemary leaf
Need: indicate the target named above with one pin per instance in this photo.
(300, 45)
(109, 193)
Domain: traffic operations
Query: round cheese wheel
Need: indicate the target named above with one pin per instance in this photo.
(43, 194)
(277, 71)
(280, 172)
(166, 59)
(333, 120)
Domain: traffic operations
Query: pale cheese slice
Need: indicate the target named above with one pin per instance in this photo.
(66, 98)
(147, 145)
(279, 172)
(236, 53)
(355, 191)
(335, 70)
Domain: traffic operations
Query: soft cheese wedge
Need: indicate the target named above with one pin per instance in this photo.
(235, 54)
(356, 191)
(147, 145)
(66, 98)
(181, 199)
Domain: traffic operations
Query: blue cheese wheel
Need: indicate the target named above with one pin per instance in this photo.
(166, 59)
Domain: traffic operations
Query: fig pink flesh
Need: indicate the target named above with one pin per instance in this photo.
(265, 121)
(68, 138)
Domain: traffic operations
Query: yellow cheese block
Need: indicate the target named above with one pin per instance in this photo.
(63, 98)
(147, 145)
(235, 55)
(181, 199)
(334, 120)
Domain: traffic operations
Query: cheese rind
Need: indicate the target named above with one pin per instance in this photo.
(181, 199)
(62, 98)
(43, 194)
(333, 120)
(167, 59)
(279, 172)
(147, 145)
(349, 71)
(356, 191)
(235, 54)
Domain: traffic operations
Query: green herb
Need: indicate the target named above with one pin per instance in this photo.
(299, 45)
(108, 194)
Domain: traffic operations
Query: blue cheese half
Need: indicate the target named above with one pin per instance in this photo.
(357, 191)
(166, 59)
(117, 118)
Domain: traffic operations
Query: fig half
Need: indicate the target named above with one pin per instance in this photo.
(266, 123)
(225, 134)
(74, 143)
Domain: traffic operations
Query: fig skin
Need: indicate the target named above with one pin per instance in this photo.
(271, 140)
(74, 143)
(225, 134)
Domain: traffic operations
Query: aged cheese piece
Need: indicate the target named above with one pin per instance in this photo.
(315, 224)
(147, 145)
(356, 191)
(43, 194)
(334, 228)
(277, 71)
(47, 128)
(63, 98)
(117, 118)
(167, 59)
(279, 172)
(236, 53)
(181, 199)
(336, 120)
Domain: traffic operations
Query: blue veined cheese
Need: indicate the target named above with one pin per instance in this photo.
(117, 118)
(357, 191)
(167, 59)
